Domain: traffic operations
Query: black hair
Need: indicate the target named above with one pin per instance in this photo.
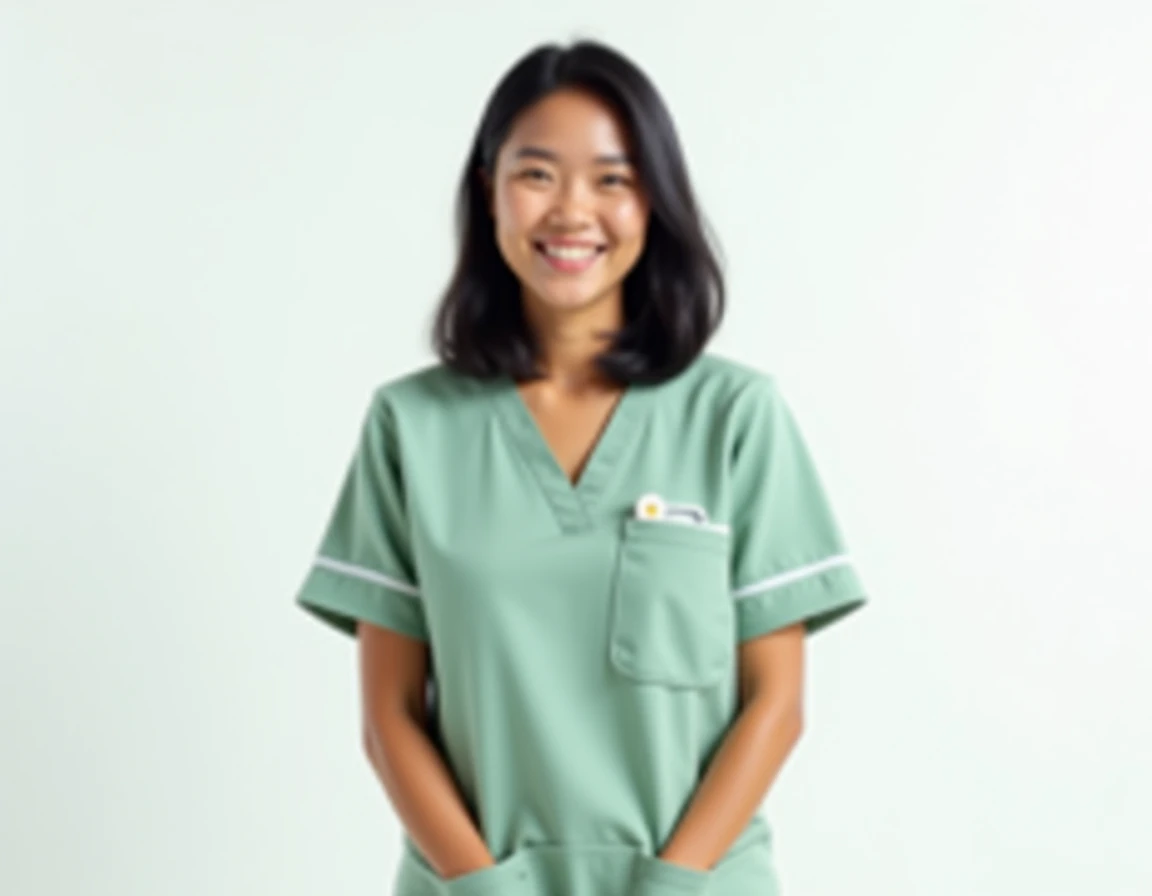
(673, 296)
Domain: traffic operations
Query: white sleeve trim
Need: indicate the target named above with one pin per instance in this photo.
(368, 575)
(791, 575)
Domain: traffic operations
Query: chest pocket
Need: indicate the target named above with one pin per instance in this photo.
(672, 618)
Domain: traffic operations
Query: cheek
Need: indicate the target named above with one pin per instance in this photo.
(629, 220)
(517, 214)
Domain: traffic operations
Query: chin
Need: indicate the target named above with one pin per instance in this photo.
(565, 302)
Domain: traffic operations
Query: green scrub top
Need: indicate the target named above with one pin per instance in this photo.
(583, 637)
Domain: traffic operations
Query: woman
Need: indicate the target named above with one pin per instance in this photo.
(601, 546)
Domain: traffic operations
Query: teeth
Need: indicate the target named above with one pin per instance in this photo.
(572, 253)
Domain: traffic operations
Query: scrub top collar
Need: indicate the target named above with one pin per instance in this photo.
(574, 505)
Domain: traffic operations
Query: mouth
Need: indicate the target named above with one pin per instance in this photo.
(570, 259)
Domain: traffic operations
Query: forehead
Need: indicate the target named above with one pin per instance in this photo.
(575, 125)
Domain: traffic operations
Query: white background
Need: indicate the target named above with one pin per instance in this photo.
(221, 225)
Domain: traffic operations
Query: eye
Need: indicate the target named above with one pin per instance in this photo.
(534, 174)
(616, 180)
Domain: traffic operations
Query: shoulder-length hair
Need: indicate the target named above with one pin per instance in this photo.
(674, 295)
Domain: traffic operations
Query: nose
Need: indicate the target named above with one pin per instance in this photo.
(571, 206)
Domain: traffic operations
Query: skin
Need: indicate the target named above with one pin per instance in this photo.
(563, 172)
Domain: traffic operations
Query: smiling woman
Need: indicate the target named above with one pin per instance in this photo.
(602, 545)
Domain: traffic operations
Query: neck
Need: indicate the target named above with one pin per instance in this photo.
(568, 341)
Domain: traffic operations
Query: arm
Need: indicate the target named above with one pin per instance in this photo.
(413, 773)
(752, 753)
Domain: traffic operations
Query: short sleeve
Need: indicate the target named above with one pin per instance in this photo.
(364, 568)
(789, 559)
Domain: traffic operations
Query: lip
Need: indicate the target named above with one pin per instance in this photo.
(569, 243)
(567, 265)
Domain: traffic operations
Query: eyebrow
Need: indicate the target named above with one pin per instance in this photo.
(538, 152)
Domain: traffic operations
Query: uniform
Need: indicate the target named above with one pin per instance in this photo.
(583, 637)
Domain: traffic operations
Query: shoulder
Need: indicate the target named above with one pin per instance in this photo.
(737, 373)
(428, 404)
(730, 384)
(424, 390)
(742, 403)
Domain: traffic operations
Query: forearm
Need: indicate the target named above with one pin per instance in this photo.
(424, 795)
(741, 771)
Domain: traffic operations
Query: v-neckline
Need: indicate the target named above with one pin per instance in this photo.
(572, 502)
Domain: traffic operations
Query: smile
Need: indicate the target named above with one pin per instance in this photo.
(569, 259)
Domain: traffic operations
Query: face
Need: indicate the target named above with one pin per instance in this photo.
(569, 210)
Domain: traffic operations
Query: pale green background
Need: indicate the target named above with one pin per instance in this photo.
(222, 224)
